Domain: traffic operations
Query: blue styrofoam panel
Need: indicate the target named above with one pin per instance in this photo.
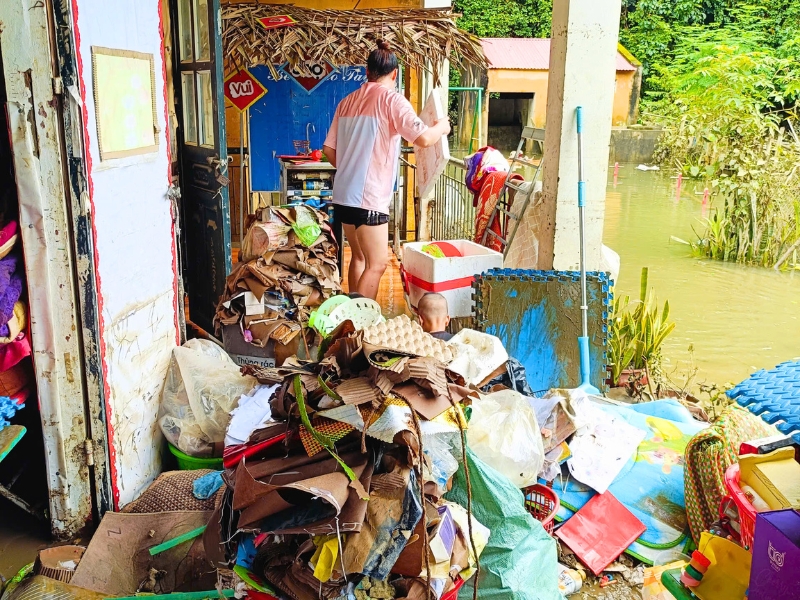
(536, 314)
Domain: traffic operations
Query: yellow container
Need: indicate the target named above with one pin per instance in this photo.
(774, 476)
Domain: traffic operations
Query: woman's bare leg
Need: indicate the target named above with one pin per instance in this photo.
(374, 243)
(357, 262)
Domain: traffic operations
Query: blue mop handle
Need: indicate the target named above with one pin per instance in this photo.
(581, 182)
(583, 340)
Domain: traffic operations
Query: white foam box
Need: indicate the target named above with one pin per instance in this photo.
(451, 277)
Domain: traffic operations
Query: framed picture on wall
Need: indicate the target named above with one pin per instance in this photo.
(124, 102)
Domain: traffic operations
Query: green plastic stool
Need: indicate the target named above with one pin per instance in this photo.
(672, 581)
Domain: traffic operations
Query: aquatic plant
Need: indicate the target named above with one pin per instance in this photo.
(637, 332)
(731, 114)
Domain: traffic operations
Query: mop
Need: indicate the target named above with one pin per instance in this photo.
(583, 341)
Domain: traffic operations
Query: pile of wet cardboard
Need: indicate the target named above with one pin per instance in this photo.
(344, 487)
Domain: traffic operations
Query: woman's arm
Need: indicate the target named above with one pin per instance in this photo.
(330, 154)
(433, 134)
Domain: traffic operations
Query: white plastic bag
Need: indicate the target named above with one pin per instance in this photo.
(441, 463)
(503, 432)
(202, 387)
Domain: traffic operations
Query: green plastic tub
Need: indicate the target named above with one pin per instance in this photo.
(191, 463)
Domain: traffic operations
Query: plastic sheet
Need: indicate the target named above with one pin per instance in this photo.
(306, 225)
(504, 433)
(203, 385)
(443, 465)
(600, 531)
(514, 378)
(520, 560)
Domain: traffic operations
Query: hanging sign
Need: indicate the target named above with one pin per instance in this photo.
(277, 21)
(319, 72)
(243, 90)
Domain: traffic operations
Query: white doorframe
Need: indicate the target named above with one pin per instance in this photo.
(34, 98)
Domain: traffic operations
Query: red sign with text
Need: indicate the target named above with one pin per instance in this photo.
(243, 90)
(277, 21)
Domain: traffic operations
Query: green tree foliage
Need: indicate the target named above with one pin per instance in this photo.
(653, 30)
(505, 18)
(728, 99)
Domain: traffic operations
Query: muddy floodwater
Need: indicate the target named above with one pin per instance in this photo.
(737, 318)
(21, 537)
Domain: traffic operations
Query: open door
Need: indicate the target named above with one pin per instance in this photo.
(203, 154)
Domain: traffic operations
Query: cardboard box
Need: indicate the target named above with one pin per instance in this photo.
(782, 477)
(774, 476)
(776, 554)
(273, 354)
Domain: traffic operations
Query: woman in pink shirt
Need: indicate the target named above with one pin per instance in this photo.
(363, 144)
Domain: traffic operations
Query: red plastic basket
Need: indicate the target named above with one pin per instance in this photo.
(747, 513)
(543, 504)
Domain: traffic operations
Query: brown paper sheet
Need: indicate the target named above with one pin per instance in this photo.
(117, 560)
(323, 479)
(421, 400)
(358, 390)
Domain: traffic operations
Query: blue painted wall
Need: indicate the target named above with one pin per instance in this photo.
(281, 117)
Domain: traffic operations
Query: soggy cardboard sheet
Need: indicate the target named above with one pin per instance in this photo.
(298, 487)
(117, 560)
(358, 390)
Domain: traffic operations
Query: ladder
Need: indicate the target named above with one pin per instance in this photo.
(523, 191)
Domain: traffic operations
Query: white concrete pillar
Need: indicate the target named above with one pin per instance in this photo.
(582, 73)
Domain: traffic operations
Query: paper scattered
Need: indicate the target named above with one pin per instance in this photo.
(600, 450)
(252, 413)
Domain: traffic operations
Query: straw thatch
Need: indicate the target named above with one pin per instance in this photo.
(421, 38)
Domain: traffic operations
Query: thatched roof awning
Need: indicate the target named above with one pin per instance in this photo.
(421, 38)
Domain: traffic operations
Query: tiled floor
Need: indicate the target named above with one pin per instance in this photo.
(390, 293)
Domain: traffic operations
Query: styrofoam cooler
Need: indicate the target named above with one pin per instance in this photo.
(450, 277)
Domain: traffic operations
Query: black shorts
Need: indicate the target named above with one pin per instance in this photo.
(353, 215)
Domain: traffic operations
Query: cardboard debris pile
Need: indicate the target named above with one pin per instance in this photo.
(342, 490)
(288, 267)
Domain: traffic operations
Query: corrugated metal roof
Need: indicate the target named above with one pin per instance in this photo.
(528, 53)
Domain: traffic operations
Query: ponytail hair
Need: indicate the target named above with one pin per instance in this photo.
(381, 61)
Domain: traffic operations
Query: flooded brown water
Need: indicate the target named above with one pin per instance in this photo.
(21, 537)
(737, 318)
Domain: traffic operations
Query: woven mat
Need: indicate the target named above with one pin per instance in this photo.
(172, 491)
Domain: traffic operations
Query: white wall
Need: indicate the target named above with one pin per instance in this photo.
(583, 53)
(134, 250)
(582, 73)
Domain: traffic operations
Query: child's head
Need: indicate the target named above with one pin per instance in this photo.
(433, 313)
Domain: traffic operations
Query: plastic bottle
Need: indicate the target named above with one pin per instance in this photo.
(570, 581)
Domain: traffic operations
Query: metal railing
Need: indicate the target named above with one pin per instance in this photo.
(452, 213)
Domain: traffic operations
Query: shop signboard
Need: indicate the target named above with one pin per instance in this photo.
(243, 90)
(277, 21)
(312, 74)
